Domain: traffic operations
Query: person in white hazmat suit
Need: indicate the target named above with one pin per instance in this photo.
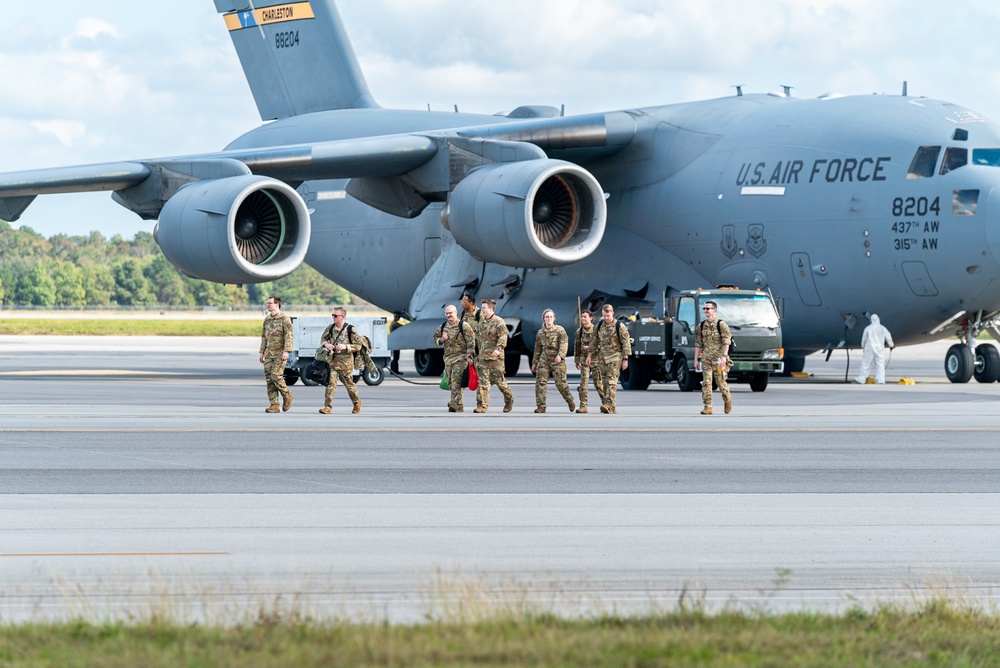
(874, 340)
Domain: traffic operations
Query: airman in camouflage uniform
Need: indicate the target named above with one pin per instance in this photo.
(613, 349)
(491, 338)
(459, 341)
(276, 341)
(551, 344)
(584, 350)
(711, 346)
(342, 340)
(470, 313)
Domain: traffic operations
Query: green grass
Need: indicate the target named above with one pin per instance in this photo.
(97, 326)
(937, 634)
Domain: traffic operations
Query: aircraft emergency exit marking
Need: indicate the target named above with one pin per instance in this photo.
(832, 170)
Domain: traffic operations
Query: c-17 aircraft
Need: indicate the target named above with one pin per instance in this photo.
(840, 206)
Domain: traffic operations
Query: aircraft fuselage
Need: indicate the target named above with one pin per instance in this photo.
(816, 200)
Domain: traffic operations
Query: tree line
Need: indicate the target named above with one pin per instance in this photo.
(93, 271)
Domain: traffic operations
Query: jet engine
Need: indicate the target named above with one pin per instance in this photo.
(243, 229)
(533, 213)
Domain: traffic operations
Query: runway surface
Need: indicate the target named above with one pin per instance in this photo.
(141, 475)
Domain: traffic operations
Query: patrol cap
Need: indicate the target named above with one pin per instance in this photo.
(491, 302)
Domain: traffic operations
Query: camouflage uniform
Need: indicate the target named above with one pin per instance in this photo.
(613, 345)
(491, 335)
(472, 317)
(550, 343)
(460, 346)
(342, 363)
(710, 341)
(276, 338)
(584, 344)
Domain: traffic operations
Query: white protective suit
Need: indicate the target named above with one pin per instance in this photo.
(874, 340)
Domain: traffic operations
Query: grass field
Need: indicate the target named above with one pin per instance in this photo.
(936, 634)
(97, 326)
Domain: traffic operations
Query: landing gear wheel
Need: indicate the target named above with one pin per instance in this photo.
(959, 363)
(636, 376)
(687, 380)
(429, 362)
(987, 363)
(373, 378)
(511, 363)
(758, 381)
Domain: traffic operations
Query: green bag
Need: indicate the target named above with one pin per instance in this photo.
(444, 382)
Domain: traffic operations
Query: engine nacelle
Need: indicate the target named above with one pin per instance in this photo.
(242, 229)
(533, 213)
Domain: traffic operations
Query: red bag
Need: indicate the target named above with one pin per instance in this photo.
(473, 378)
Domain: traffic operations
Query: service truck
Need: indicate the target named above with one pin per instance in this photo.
(663, 348)
(307, 332)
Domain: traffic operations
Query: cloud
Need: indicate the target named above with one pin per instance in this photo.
(66, 132)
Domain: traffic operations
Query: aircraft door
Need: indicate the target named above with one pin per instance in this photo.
(992, 224)
(804, 283)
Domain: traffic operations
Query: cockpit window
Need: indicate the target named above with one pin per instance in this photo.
(964, 202)
(989, 157)
(924, 160)
(953, 159)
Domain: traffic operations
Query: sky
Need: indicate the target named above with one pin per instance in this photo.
(109, 80)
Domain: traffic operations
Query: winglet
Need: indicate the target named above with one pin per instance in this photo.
(296, 56)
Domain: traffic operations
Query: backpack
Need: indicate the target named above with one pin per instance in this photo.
(618, 328)
(718, 328)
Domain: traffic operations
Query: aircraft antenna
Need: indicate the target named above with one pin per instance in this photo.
(456, 108)
(562, 110)
(904, 89)
(739, 90)
(787, 89)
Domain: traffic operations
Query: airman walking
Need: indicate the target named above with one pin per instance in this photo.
(584, 356)
(342, 340)
(551, 346)
(276, 341)
(613, 349)
(491, 339)
(711, 356)
(459, 341)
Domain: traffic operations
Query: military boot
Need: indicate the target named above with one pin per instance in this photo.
(707, 410)
(480, 409)
(452, 409)
(540, 409)
(572, 406)
(287, 403)
(273, 408)
(357, 406)
(728, 404)
(509, 404)
(326, 410)
(581, 409)
(604, 408)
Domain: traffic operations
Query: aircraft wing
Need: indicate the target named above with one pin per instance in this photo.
(362, 158)
(367, 157)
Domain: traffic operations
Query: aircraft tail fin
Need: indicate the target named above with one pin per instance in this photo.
(296, 56)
